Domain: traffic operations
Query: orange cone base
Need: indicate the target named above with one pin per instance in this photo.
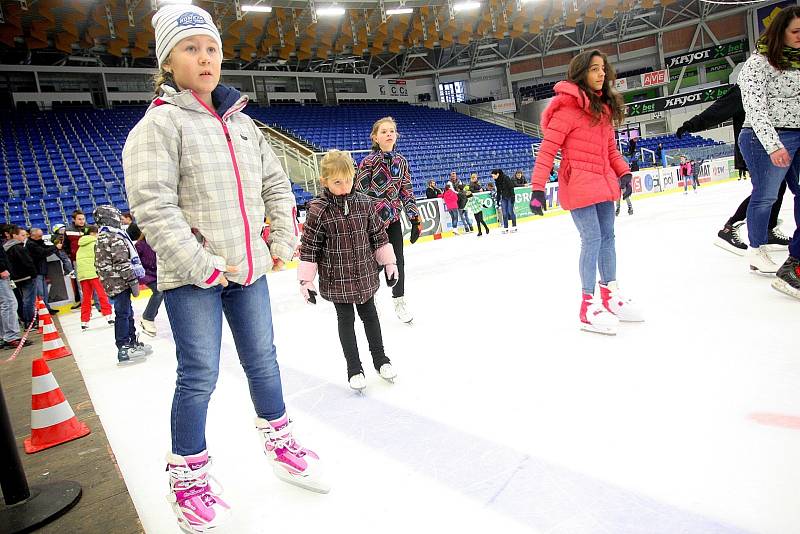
(55, 354)
(55, 435)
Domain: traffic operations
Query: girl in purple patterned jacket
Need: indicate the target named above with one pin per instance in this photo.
(385, 175)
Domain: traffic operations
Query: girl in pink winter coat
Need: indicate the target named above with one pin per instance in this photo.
(450, 198)
(580, 122)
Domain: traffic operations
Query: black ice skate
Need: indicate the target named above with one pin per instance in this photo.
(788, 278)
(728, 239)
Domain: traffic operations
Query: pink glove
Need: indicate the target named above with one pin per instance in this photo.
(309, 292)
(391, 273)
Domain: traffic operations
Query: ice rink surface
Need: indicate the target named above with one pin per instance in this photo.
(505, 417)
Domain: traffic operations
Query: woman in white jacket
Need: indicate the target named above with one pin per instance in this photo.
(770, 139)
(200, 178)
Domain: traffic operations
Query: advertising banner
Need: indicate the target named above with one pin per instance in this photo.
(430, 211)
(706, 54)
(654, 79)
(507, 105)
(676, 101)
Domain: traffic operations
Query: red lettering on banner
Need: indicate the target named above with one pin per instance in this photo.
(637, 184)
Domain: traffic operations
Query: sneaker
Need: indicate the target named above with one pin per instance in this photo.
(513, 229)
(728, 239)
(630, 211)
(788, 278)
(596, 318)
(760, 261)
(387, 372)
(13, 344)
(291, 462)
(75, 306)
(616, 212)
(148, 327)
(84, 326)
(358, 382)
(110, 320)
(401, 309)
(196, 505)
(776, 240)
(625, 309)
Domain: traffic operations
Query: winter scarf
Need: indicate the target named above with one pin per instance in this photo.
(790, 57)
(136, 263)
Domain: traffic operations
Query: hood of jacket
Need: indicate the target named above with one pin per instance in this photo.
(10, 243)
(223, 97)
(107, 215)
(87, 240)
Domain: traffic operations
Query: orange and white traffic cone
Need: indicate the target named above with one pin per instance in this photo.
(52, 420)
(41, 311)
(52, 345)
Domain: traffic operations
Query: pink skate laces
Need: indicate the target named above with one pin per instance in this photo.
(192, 480)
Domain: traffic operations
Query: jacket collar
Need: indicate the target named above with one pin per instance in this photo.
(226, 100)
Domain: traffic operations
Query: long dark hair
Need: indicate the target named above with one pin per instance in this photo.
(773, 36)
(579, 68)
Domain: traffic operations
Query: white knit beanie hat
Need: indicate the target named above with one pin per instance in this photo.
(175, 22)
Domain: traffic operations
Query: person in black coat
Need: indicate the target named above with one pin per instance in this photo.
(40, 251)
(23, 271)
(730, 107)
(432, 191)
(9, 323)
(505, 192)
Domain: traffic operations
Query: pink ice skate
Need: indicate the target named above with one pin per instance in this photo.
(292, 463)
(197, 507)
(595, 318)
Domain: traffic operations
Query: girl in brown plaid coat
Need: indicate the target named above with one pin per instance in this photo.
(344, 240)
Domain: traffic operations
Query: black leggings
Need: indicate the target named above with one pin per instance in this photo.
(479, 221)
(347, 335)
(741, 211)
(395, 233)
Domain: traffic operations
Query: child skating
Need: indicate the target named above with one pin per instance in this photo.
(344, 241)
(89, 280)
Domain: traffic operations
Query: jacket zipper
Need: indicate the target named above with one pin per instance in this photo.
(239, 190)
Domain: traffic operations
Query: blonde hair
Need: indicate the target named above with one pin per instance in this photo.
(375, 145)
(163, 76)
(336, 164)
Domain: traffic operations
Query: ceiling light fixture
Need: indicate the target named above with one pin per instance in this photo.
(466, 6)
(400, 11)
(258, 9)
(161, 2)
(330, 11)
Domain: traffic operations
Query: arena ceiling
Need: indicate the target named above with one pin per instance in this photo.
(436, 36)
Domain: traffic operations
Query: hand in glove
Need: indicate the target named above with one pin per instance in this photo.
(625, 185)
(135, 289)
(538, 203)
(391, 273)
(416, 229)
(309, 292)
(681, 132)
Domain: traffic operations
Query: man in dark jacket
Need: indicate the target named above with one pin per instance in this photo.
(9, 323)
(23, 271)
(730, 107)
(40, 251)
(432, 191)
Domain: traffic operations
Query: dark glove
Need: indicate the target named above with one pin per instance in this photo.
(538, 203)
(135, 289)
(391, 273)
(416, 229)
(683, 130)
(625, 185)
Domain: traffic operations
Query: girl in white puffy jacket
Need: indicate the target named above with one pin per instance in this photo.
(200, 179)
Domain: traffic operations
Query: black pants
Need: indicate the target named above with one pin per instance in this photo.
(395, 233)
(741, 211)
(479, 221)
(347, 335)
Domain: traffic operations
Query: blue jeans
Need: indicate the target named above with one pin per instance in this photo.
(154, 303)
(27, 291)
(465, 219)
(766, 179)
(595, 224)
(124, 329)
(195, 316)
(508, 211)
(41, 289)
(9, 323)
(454, 217)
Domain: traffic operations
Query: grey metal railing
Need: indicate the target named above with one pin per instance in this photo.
(528, 128)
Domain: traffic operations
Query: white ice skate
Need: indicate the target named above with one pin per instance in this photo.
(624, 308)
(358, 382)
(387, 372)
(760, 261)
(148, 327)
(595, 318)
(401, 309)
(291, 462)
